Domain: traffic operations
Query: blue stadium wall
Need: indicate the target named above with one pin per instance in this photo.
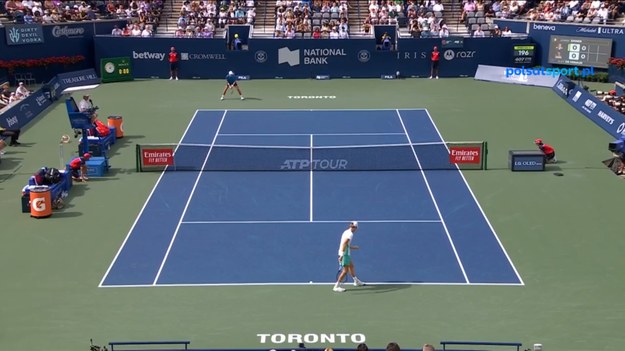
(270, 58)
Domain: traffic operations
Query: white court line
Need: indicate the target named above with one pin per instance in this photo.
(310, 217)
(325, 222)
(478, 205)
(306, 134)
(308, 284)
(427, 184)
(186, 206)
(315, 109)
(143, 208)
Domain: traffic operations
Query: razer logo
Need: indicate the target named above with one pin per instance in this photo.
(14, 35)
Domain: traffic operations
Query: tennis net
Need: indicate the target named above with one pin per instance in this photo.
(385, 157)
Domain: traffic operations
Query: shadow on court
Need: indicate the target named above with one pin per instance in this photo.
(378, 289)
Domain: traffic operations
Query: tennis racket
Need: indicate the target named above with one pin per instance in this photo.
(338, 273)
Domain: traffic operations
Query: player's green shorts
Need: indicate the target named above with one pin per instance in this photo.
(346, 260)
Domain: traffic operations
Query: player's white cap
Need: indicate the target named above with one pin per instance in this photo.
(353, 224)
(231, 73)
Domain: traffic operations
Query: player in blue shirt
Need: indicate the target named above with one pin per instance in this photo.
(231, 82)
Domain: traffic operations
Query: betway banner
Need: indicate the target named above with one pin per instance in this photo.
(610, 120)
(269, 58)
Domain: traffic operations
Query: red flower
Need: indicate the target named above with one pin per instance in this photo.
(617, 62)
(29, 63)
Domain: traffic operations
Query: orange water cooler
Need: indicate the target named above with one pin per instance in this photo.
(118, 123)
(40, 202)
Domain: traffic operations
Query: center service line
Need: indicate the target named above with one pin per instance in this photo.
(310, 218)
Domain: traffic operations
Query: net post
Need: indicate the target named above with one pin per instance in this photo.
(485, 159)
(137, 157)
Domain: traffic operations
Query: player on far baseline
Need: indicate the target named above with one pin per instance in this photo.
(345, 258)
(231, 82)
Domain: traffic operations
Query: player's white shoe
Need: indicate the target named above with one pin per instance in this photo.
(171, 78)
(177, 78)
(242, 98)
(357, 282)
(338, 289)
(221, 98)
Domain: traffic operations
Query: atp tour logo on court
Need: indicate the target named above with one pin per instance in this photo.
(158, 157)
(323, 164)
(460, 154)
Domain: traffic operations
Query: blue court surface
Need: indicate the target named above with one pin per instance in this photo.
(283, 227)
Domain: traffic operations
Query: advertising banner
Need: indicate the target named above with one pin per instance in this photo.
(271, 58)
(24, 34)
(25, 111)
(610, 120)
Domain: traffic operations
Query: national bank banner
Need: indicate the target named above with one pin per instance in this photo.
(541, 32)
(610, 120)
(271, 58)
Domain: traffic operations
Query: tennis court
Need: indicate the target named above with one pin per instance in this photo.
(388, 169)
(559, 232)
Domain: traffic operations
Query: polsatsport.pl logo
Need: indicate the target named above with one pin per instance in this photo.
(550, 72)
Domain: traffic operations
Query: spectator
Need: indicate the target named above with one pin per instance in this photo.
(479, 33)
(13, 98)
(428, 347)
(392, 346)
(22, 91)
(251, 16)
(6, 93)
(506, 32)
(316, 33)
(334, 34)
(362, 347)
(343, 33)
(14, 134)
(117, 31)
(444, 32)
(78, 167)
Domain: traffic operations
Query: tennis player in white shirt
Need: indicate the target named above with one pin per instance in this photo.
(345, 259)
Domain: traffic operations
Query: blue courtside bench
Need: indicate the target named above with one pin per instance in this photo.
(182, 345)
(478, 343)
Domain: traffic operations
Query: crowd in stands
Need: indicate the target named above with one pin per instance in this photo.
(8, 97)
(424, 18)
(579, 11)
(321, 19)
(199, 19)
(144, 12)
